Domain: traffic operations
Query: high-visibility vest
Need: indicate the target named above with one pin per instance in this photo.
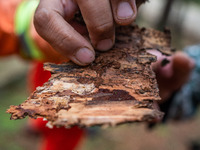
(23, 18)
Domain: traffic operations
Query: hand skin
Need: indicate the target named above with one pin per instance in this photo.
(53, 21)
(174, 75)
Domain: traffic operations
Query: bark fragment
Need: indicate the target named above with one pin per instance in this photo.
(118, 87)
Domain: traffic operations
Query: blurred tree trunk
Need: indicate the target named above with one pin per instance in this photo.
(164, 17)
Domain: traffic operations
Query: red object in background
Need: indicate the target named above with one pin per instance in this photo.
(56, 138)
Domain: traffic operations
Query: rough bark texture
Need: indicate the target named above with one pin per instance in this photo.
(118, 87)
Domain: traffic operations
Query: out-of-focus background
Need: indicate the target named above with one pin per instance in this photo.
(183, 18)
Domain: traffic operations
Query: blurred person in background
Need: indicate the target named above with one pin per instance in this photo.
(62, 39)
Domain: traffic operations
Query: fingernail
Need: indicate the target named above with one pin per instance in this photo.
(85, 56)
(105, 45)
(124, 10)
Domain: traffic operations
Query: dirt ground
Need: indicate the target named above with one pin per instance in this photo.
(173, 136)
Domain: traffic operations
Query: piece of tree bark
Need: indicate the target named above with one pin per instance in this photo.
(118, 87)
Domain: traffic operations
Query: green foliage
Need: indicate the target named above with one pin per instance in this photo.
(12, 94)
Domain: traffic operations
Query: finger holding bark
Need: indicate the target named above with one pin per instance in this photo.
(97, 15)
(50, 24)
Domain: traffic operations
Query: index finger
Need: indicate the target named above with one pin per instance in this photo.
(50, 24)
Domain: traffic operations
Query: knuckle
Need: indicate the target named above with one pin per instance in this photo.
(61, 43)
(42, 17)
(102, 28)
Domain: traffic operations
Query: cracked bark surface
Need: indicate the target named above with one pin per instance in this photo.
(118, 87)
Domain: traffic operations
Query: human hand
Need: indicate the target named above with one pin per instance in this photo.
(54, 22)
(170, 77)
(174, 75)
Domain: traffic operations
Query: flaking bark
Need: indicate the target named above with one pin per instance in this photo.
(118, 87)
